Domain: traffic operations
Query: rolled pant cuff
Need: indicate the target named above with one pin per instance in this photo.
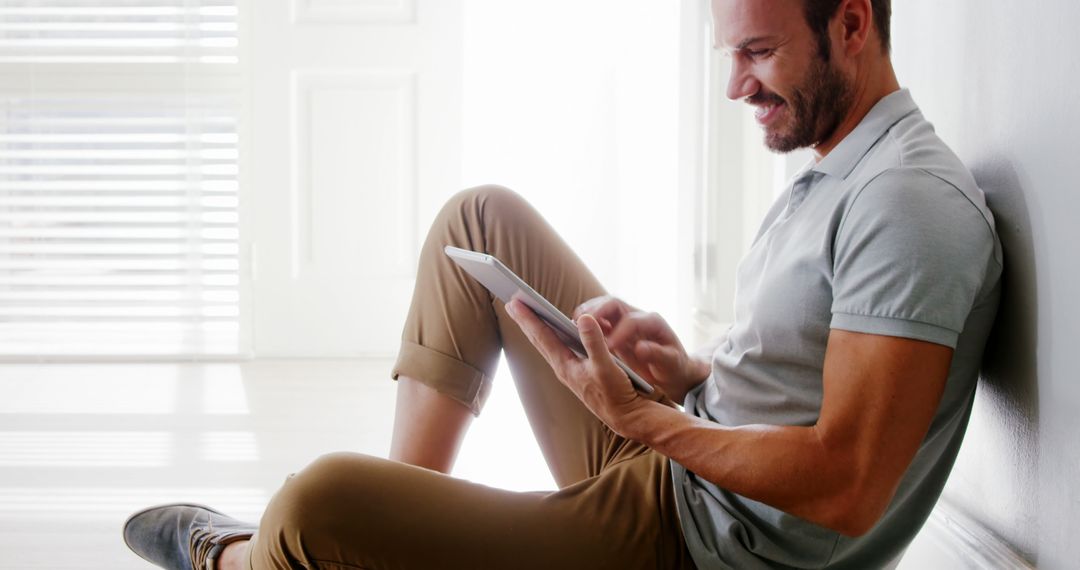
(446, 374)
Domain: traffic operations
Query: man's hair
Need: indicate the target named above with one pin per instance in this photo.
(819, 12)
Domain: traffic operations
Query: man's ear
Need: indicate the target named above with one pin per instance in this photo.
(853, 22)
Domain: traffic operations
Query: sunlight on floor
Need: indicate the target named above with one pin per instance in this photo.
(84, 449)
(82, 446)
(229, 446)
(55, 389)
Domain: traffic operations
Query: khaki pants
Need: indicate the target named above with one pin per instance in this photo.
(615, 506)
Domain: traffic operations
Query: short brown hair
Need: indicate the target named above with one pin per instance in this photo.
(819, 12)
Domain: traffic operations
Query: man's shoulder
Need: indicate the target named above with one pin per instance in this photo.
(912, 161)
(912, 145)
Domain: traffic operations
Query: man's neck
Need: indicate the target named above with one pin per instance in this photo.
(869, 89)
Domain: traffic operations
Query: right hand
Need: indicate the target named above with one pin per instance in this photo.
(646, 343)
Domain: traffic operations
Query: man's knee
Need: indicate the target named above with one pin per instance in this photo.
(486, 201)
(303, 515)
(483, 194)
(313, 493)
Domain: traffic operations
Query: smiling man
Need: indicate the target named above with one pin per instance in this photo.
(817, 432)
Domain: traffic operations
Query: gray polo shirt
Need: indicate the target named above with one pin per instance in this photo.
(888, 235)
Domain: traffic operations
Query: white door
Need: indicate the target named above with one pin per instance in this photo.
(354, 136)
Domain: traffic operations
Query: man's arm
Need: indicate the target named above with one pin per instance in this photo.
(880, 395)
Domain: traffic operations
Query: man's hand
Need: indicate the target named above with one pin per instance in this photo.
(646, 343)
(596, 380)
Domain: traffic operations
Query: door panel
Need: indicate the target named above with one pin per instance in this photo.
(355, 131)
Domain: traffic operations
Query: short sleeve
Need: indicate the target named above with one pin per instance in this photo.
(910, 257)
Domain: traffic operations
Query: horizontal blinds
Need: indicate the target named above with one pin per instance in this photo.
(119, 228)
(118, 31)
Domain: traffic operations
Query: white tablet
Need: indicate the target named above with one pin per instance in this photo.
(505, 285)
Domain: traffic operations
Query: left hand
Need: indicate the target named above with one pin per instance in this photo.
(596, 380)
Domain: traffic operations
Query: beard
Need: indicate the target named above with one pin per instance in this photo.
(816, 106)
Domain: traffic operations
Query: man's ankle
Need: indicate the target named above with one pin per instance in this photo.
(234, 557)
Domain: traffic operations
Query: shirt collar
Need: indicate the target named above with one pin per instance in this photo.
(886, 113)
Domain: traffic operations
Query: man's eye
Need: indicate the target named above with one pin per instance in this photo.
(758, 53)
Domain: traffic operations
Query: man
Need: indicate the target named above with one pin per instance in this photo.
(819, 435)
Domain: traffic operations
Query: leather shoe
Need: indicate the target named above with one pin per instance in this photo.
(183, 536)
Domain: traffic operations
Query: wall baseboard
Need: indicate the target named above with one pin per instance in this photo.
(951, 539)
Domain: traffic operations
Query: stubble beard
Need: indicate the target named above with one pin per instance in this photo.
(817, 107)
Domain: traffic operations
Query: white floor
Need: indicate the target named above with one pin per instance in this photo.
(83, 445)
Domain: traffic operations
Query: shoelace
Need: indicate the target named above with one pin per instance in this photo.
(206, 541)
(202, 545)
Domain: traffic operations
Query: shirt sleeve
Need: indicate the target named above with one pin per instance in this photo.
(909, 258)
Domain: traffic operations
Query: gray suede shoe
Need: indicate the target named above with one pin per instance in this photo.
(182, 536)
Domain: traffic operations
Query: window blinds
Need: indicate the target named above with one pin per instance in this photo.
(119, 220)
(124, 31)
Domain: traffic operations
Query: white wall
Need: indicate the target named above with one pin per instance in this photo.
(1001, 82)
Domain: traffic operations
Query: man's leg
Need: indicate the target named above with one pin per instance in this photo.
(615, 507)
(429, 426)
(353, 511)
(456, 330)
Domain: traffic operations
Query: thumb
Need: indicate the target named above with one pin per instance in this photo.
(593, 339)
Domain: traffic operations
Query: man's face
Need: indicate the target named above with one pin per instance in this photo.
(776, 66)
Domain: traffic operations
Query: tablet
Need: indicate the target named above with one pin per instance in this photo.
(505, 285)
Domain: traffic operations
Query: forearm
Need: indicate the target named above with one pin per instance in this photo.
(789, 468)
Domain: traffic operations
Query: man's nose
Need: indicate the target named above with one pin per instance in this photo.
(741, 83)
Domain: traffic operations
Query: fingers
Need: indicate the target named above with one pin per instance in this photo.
(662, 357)
(602, 363)
(605, 325)
(589, 307)
(605, 308)
(593, 339)
(597, 381)
(541, 336)
(637, 326)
